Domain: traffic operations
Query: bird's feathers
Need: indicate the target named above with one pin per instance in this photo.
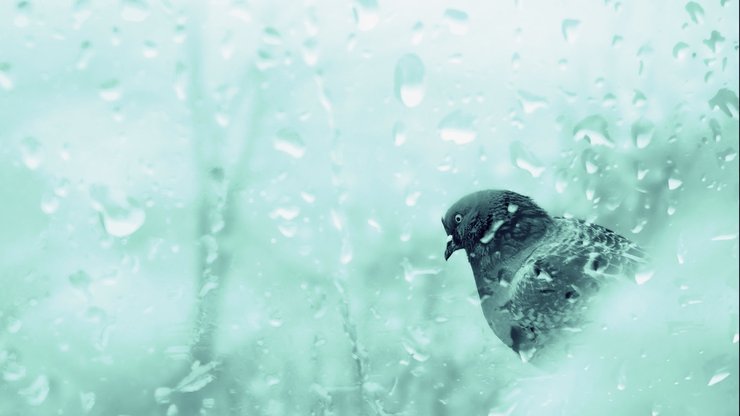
(537, 275)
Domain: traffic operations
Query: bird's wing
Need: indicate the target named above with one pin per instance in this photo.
(567, 267)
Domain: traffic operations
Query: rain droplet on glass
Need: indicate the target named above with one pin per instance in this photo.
(399, 134)
(31, 152)
(594, 129)
(49, 203)
(366, 14)
(522, 158)
(457, 21)
(37, 391)
(681, 51)
(5, 82)
(121, 215)
(457, 127)
(110, 90)
(674, 183)
(531, 102)
(150, 50)
(271, 36)
(726, 101)
(642, 133)
(695, 11)
(417, 33)
(289, 142)
(714, 42)
(409, 80)
(569, 28)
(134, 10)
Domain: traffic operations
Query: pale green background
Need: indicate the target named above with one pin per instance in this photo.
(232, 208)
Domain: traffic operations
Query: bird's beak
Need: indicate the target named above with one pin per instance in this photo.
(451, 247)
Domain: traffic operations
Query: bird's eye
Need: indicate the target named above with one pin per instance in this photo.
(458, 218)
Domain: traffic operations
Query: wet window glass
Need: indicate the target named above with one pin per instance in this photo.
(233, 207)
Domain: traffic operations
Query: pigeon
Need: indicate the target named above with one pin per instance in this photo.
(535, 274)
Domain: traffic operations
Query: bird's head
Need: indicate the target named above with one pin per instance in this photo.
(503, 219)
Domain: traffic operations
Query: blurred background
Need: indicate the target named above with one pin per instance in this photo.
(232, 207)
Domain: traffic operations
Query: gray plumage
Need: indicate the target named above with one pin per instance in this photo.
(535, 273)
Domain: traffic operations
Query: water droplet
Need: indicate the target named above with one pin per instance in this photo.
(13, 324)
(80, 281)
(641, 171)
(457, 21)
(366, 14)
(622, 378)
(81, 12)
(210, 245)
(457, 127)
(674, 183)
(199, 377)
(718, 378)
(180, 84)
(227, 45)
(23, 11)
(515, 61)
(110, 90)
(569, 29)
(309, 198)
(374, 223)
(725, 237)
(84, 56)
(696, 12)
(180, 33)
(639, 99)
(642, 133)
(416, 342)
(681, 51)
(522, 158)
(150, 50)
(6, 82)
(412, 198)
(49, 203)
(530, 102)
(285, 213)
(36, 392)
(31, 152)
(310, 51)
(289, 142)
(594, 129)
(417, 33)
(409, 80)
(491, 232)
(561, 181)
(271, 36)
(726, 101)
(121, 215)
(727, 155)
(399, 134)
(714, 42)
(643, 276)
(590, 161)
(162, 395)
(87, 401)
(345, 256)
(275, 320)
(134, 10)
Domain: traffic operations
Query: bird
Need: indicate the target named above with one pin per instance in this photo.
(535, 274)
